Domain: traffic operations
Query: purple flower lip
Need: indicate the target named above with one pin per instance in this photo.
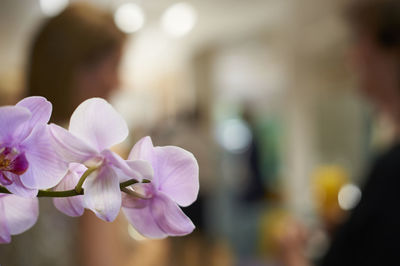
(12, 161)
(4, 180)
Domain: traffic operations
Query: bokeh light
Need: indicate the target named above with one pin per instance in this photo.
(52, 7)
(349, 196)
(234, 135)
(179, 19)
(129, 17)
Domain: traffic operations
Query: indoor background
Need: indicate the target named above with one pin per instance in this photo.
(259, 90)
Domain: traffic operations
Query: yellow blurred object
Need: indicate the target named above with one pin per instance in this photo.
(283, 236)
(327, 181)
(272, 228)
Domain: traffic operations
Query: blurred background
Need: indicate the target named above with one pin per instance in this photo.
(259, 90)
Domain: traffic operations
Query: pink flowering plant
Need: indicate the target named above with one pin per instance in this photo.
(78, 169)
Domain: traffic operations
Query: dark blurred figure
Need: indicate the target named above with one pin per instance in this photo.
(254, 186)
(371, 235)
(74, 56)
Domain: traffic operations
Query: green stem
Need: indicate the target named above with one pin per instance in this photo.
(78, 187)
(58, 194)
(4, 190)
(68, 193)
(128, 183)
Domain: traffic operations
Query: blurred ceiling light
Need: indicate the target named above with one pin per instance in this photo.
(129, 17)
(52, 7)
(349, 196)
(234, 135)
(179, 19)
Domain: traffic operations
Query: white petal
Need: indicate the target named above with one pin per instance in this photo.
(5, 235)
(142, 150)
(70, 147)
(176, 173)
(143, 221)
(96, 122)
(102, 193)
(18, 188)
(40, 109)
(46, 168)
(146, 190)
(158, 217)
(169, 217)
(142, 168)
(21, 213)
(12, 120)
(138, 170)
(71, 206)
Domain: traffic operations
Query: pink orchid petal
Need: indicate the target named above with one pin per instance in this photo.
(157, 217)
(96, 122)
(143, 221)
(70, 147)
(12, 120)
(40, 109)
(169, 217)
(142, 168)
(138, 170)
(5, 235)
(4, 180)
(177, 174)
(21, 213)
(142, 150)
(132, 202)
(102, 193)
(71, 206)
(18, 188)
(77, 168)
(146, 190)
(46, 168)
(176, 171)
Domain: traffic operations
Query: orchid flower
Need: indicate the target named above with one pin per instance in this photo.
(27, 159)
(71, 206)
(94, 128)
(156, 214)
(17, 214)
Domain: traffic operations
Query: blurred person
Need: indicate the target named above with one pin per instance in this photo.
(254, 185)
(74, 56)
(249, 200)
(371, 234)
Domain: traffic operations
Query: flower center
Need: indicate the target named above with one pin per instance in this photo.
(4, 163)
(11, 160)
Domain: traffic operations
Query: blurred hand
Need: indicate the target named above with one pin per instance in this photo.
(292, 242)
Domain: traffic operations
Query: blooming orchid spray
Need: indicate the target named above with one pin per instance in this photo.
(80, 171)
